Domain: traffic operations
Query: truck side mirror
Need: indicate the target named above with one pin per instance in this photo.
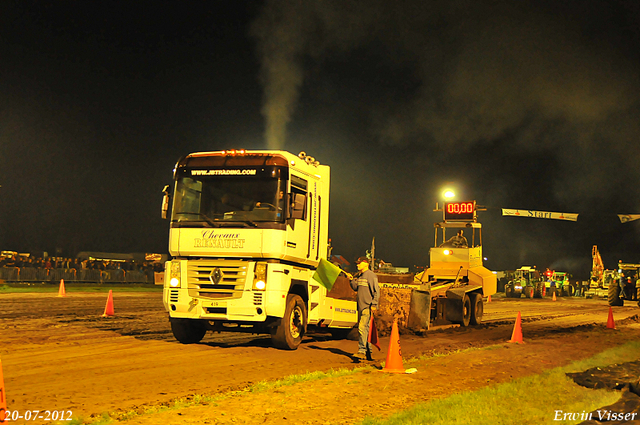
(165, 201)
(298, 206)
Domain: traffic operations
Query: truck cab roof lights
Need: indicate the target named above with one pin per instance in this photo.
(234, 152)
(308, 159)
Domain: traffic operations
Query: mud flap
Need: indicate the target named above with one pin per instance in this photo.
(458, 304)
(458, 293)
(419, 319)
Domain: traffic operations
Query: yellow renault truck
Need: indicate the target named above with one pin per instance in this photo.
(247, 232)
(456, 279)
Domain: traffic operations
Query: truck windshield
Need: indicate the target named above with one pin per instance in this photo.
(228, 199)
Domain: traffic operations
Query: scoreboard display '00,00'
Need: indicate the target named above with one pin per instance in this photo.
(460, 211)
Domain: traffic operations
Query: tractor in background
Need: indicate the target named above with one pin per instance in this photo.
(526, 280)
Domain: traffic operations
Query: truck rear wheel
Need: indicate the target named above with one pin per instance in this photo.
(289, 332)
(477, 308)
(188, 331)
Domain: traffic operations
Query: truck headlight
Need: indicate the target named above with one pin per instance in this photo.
(174, 274)
(447, 252)
(260, 277)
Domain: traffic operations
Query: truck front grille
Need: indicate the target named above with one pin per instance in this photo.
(217, 279)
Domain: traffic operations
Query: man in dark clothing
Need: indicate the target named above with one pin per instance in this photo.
(630, 289)
(365, 282)
(623, 284)
(458, 241)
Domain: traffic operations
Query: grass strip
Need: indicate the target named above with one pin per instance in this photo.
(76, 287)
(534, 399)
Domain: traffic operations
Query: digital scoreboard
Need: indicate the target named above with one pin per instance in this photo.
(465, 211)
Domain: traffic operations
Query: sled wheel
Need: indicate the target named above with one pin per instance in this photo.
(477, 308)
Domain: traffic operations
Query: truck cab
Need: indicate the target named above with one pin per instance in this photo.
(247, 232)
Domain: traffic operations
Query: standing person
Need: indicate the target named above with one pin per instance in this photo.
(365, 283)
(630, 289)
(623, 284)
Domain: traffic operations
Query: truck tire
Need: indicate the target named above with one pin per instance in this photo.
(289, 332)
(477, 308)
(459, 311)
(188, 331)
(613, 296)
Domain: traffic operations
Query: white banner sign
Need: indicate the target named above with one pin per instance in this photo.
(625, 218)
(541, 214)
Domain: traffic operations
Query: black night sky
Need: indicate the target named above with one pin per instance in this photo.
(516, 104)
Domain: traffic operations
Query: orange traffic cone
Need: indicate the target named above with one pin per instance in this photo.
(489, 298)
(516, 336)
(610, 323)
(61, 290)
(3, 397)
(544, 291)
(108, 310)
(394, 357)
(554, 295)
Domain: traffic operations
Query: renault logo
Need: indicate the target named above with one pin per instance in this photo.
(216, 275)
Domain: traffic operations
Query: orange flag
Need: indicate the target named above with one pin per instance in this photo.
(373, 334)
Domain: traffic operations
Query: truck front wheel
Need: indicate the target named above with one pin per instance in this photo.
(290, 330)
(188, 331)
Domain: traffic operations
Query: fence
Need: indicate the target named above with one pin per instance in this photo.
(33, 274)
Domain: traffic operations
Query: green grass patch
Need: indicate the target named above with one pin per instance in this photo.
(531, 400)
(627, 352)
(295, 379)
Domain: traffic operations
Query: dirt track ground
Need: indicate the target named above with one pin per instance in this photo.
(58, 353)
